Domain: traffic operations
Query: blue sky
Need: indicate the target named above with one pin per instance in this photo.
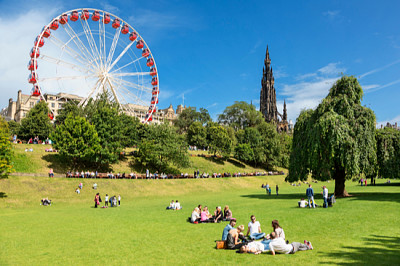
(212, 52)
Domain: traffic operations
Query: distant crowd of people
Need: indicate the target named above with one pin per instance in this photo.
(203, 215)
(268, 189)
(174, 205)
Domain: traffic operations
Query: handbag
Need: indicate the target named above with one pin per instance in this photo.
(221, 244)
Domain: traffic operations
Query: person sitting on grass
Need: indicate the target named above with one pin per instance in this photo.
(195, 218)
(77, 191)
(278, 245)
(205, 216)
(278, 229)
(177, 206)
(232, 241)
(255, 247)
(45, 202)
(254, 229)
(228, 228)
(51, 173)
(227, 213)
(114, 201)
(302, 203)
(218, 216)
(171, 205)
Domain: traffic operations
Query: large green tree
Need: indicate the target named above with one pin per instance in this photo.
(219, 141)
(388, 152)
(162, 147)
(70, 107)
(77, 142)
(105, 117)
(36, 123)
(240, 115)
(5, 150)
(197, 135)
(337, 139)
(189, 116)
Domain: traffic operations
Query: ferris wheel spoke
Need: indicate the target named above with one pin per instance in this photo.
(102, 42)
(128, 92)
(130, 63)
(113, 46)
(91, 41)
(131, 74)
(65, 47)
(57, 61)
(65, 78)
(120, 56)
(135, 86)
(113, 91)
(78, 42)
(92, 91)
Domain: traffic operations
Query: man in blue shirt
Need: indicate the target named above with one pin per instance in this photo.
(228, 228)
(310, 195)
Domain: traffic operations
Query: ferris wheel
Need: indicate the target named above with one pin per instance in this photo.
(87, 52)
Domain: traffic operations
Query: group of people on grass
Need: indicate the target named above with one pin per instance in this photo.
(174, 205)
(256, 242)
(114, 201)
(310, 196)
(268, 189)
(203, 215)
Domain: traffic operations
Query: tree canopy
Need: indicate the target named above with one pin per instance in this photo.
(6, 153)
(336, 140)
(36, 123)
(162, 147)
(240, 115)
(77, 142)
(189, 116)
(219, 141)
(388, 152)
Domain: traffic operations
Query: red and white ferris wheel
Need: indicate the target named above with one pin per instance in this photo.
(90, 51)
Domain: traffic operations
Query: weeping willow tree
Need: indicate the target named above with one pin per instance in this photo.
(336, 140)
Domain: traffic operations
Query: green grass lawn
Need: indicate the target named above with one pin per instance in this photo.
(39, 162)
(363, 229)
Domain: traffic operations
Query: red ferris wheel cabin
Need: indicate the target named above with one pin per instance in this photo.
(35, 91)
(154, 81)
(32, 77)
(39, 41)
(63, 19)
(46, 32)
(54, 25)
(132, 36)
(140, 44)
(74, 16)
(85, 15)
(34, 52)
(150, 62)
(106, 19)
(125, 29)
(31, 65)
(116, 23)
(96, 15)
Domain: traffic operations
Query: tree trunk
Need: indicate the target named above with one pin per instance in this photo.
(340, 179)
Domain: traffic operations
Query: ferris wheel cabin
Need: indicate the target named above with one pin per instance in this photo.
(32, 65)
(96, 15)
(116, 23)
(63, 19)
(46, 32)
(150, 62)
(34, 52)
(74, 16)
(85, 15)
(155, 91)
(39, 41)
(140, 44)
(153, 71)
(35, 91)
(106, 19)
(132, 36)
(54, 25)
(154, 81)
(32, 77)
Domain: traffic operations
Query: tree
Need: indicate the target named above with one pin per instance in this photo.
(104, 115)
(244, 153)
(161, 147)
(70, 107)
(240, 115)
(77, 142)
(336, 140)
(285, 141)
(219, 141)
(197, 135)
(388, 152)
(6, 153)
(36, 123)
(189, 116)
(271, 143)
(13, 127)
(130, 130)
(250, 138)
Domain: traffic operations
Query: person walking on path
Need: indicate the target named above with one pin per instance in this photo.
(277, 189)
(310, 196)
(97, 200)
(106, 200)
(119, 200)
(325, 196)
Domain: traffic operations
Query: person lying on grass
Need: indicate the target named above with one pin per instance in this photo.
(278, 245)
(255, 247)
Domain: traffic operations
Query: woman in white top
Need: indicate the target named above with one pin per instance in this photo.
(278, 229)
(195, 215)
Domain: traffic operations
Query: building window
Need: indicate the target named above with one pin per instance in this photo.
(60, 105)
(50, 98)
(31, 104)
(53, 105)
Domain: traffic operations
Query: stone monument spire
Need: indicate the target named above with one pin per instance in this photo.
(268, 94)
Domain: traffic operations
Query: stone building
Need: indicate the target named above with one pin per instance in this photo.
(268, 99)
(18, 109)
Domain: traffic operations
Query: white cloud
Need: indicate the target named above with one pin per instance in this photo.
(369, 87)
(383, 86)
(332, 69)
(212, 105)
(308, 94)
(379, 69)
(331, 14)
(19, 33)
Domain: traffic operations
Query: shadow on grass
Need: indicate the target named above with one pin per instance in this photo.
(3, 195)
(392, 184)
(297, 196)
(60, 166)
(216, 160)
(236, 163)
(376, 250)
